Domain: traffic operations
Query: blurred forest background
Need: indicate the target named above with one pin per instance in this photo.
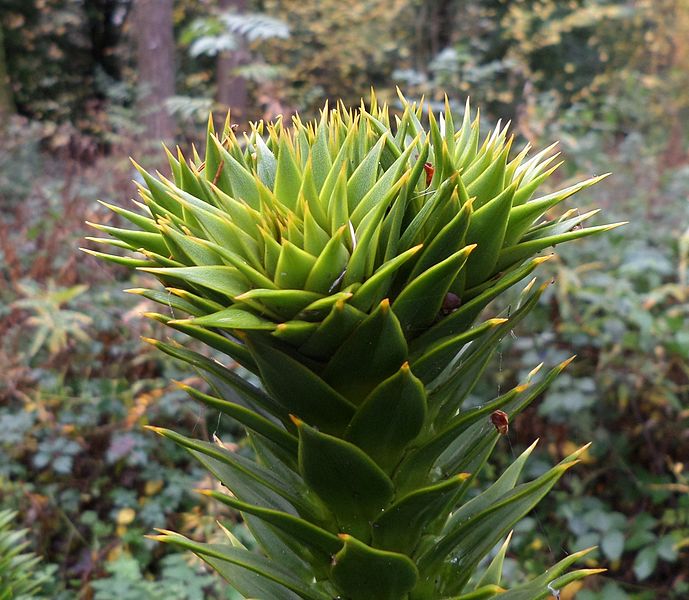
(86, 83)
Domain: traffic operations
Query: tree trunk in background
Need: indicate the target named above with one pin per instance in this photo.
(6, 96)
(434, 28)
(232, 91)
(440, 25)
(104, 29)
(155, 51)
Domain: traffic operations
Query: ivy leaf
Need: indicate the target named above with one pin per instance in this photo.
(645, 562)
(612, 544)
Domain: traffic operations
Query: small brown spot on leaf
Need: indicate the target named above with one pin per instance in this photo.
(451, 303)
(500, 421)
(428, 167)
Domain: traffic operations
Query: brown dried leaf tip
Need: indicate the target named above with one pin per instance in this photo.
(500, 421)
(430, 170)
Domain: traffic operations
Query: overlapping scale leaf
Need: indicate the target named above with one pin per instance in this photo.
(350, 267)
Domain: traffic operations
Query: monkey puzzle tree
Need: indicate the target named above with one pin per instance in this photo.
(346, 265)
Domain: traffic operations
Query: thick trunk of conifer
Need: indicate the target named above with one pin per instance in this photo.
(155, 48)
(6, 96)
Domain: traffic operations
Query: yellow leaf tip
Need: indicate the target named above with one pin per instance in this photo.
(154, 429)
(156, 316)
(565, 363)
(179, 321)
(616, 225)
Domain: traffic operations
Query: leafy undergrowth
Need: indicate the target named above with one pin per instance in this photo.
(75, 393)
